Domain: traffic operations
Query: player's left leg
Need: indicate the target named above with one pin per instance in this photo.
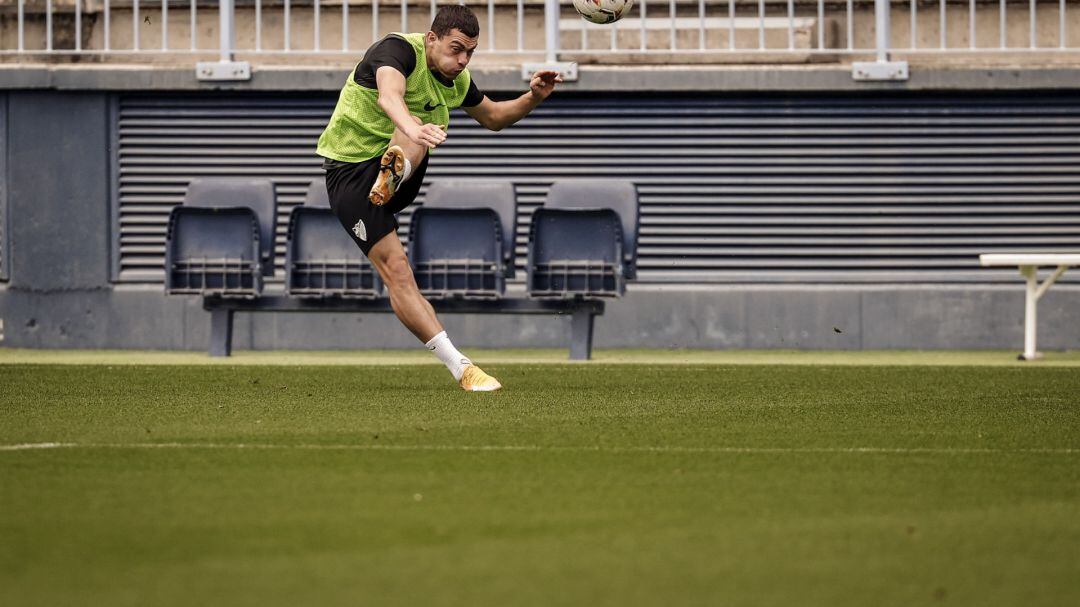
(402, 155)
(416, 313)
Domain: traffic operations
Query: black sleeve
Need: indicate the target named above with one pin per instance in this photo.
(392, 51)
(473, 96)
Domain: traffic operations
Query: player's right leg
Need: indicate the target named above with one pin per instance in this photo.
(402, 155)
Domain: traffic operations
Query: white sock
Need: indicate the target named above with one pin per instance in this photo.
(408, 172)
(441, 347)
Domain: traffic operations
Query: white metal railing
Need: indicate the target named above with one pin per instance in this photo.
(844, 27)
(664, 30)
(379, 17)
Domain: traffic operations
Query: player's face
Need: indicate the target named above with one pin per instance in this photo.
(450, 53)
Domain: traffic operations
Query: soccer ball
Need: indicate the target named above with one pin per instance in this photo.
(603, 11)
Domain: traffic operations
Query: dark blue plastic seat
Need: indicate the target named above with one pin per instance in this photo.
(575, 253)
(213, 251)
(255, 194)
(320, 258)
(457, 252)
(618, 195)
(322, 261)
(480, 194)
(461, 241)
(583, 241)
(317, 196)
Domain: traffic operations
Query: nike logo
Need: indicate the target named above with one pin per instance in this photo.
(431, 108)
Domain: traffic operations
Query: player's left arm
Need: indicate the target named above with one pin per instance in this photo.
(497, 115)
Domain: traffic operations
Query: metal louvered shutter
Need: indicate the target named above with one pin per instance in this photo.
(809, 188)
(164, 142)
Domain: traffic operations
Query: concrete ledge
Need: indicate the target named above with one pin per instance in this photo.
(593, 78)
(805, 317)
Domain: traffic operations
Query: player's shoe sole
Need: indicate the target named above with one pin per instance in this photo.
(475, 380)
(391, 171)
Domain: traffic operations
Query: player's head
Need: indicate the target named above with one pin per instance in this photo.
(454, 34)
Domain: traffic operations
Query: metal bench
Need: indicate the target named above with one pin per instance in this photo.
(454, 210)
(582, 313)
(1029, 268)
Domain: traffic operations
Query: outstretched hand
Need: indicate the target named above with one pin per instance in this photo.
(543, 83)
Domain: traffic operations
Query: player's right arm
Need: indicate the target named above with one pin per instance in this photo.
(391, 85)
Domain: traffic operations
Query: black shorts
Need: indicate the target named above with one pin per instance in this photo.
(348, 185)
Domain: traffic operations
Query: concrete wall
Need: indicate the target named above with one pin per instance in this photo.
(732, 316)
(5, 249)
(58, 189)
(59, 295)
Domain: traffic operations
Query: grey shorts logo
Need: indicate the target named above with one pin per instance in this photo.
(360, 230)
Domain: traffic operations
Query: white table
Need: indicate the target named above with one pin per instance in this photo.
(1029, 267)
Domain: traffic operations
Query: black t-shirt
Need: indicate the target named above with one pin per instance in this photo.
(399, 54)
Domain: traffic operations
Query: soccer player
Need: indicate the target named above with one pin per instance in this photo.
(393, 110)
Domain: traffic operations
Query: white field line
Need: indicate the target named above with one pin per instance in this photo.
(27, 446)
(542, 448)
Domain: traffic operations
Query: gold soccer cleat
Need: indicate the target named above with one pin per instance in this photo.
(475, 380)
(391, 170)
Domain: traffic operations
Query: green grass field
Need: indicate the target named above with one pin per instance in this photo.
(813, 479)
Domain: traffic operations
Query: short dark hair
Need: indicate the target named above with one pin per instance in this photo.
(455, 16)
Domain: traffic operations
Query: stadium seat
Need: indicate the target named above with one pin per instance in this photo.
(320, 258)
(583, 241)
(255, 194)
(213, 251)
(575, 253)
(317, 196)
(472, 194)
(457, 252)
(617, 195)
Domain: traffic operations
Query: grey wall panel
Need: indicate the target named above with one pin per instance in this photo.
(58, 191)
(869, 317)
(3, 187)
(806, 188)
